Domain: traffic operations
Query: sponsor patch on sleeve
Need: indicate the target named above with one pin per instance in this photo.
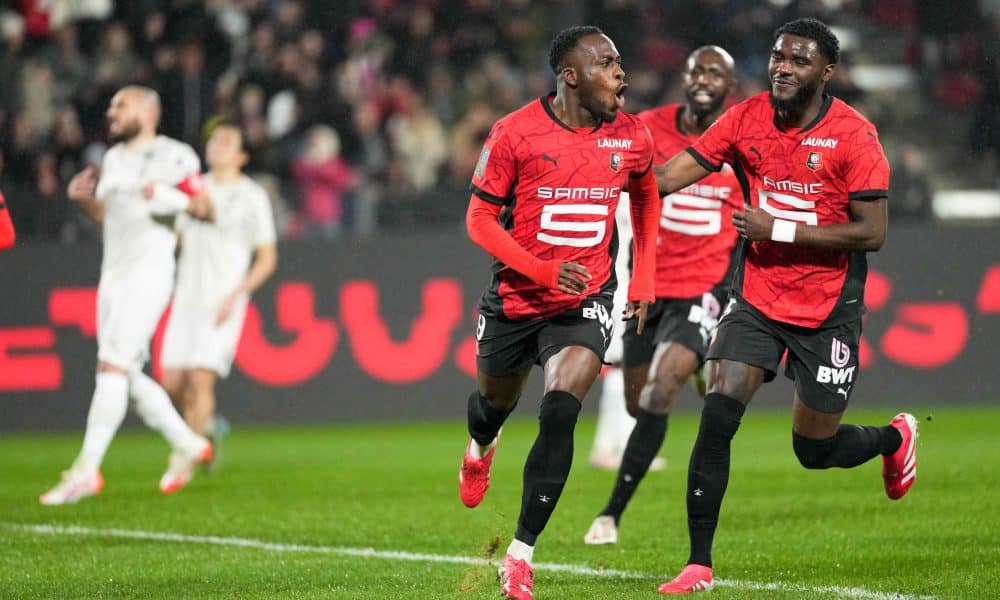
(484, 157)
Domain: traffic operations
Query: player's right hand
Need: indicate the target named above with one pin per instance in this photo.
(83, 185)
(573, 278)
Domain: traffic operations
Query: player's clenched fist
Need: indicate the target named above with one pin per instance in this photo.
(83, 184)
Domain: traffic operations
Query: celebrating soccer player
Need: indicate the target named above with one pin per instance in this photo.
(545, 191)
(146, 180)
(816, 182)
(694, 261)
(215, 277)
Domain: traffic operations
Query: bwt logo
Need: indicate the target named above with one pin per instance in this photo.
(835, 376)
(578, 193)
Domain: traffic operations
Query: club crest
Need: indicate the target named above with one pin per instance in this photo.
(815, 161)
(616, 161)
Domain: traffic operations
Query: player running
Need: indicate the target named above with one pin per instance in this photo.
(694, 264)
(545, 191)
(816, 180)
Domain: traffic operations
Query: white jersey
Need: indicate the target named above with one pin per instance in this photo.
(215, 256)
(134, 238)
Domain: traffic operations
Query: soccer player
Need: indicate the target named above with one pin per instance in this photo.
(215, 278)
(694, 263)
(544, 194)
(145, 181)
(816, 181)
(7, 235)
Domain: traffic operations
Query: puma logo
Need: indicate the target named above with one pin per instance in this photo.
(841, 390)
(548, 158)
(757, 152)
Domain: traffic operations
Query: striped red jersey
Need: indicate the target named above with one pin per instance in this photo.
(808, 175)
(694, 249)
(559, 186)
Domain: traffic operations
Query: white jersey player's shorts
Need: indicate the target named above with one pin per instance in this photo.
(128, 310)
(194, 341)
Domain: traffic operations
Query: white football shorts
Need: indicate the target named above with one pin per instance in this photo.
(128, 311)
(193, 341)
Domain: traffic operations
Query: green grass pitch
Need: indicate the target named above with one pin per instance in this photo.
(310, 499)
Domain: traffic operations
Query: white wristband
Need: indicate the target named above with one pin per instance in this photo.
(168, 200)
(783, 231)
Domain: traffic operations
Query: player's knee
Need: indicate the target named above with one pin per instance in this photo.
(812, 453)
(559, 411)
(659, 395)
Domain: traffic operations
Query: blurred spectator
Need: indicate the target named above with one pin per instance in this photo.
(910, 195)
(191, 91)
(323, 178)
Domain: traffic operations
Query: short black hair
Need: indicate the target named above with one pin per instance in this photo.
(229, 123)
(817, 31)
(565, 41)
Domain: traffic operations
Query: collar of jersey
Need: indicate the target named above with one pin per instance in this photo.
(547, 105)
(823, 109)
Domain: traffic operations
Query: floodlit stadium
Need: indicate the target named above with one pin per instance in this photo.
(247, 290)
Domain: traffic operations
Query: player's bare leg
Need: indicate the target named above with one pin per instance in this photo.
(107, 411)
(569, 374)
(672, 364)
(175, 383)
(199, 412)
(489, 406)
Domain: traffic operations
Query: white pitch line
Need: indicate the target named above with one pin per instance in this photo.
(166, 536)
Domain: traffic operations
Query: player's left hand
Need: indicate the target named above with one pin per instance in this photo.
(753, 223)
(636, 310)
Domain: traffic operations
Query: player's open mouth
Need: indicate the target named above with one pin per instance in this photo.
(620, 95)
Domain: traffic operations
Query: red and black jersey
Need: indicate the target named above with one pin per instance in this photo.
(559, 186)
(694, 249)
(808, 175)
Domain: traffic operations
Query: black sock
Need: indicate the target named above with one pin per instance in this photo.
(484, 420)
(853, 445)
(708, 472)
(643, 444)
(548, 463)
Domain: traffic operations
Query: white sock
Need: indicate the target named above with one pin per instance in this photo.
(107, 410)
(614, 424)
(153, 405)
(478, 451)
(521, 551)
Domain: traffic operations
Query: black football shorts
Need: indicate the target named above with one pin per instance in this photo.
(823, 362)
(504, 347)
(686, 321)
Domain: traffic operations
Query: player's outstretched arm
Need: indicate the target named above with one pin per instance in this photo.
(484, 229)
(679, 172)
(865, 232)
(7, 235)
(82, 190)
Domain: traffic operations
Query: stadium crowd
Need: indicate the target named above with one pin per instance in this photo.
(364, 115)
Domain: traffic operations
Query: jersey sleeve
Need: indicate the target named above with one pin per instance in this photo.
(714, 148)
(496, 171)
(264, 233)
(866, 172)
(188, 163)
(645, 158)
